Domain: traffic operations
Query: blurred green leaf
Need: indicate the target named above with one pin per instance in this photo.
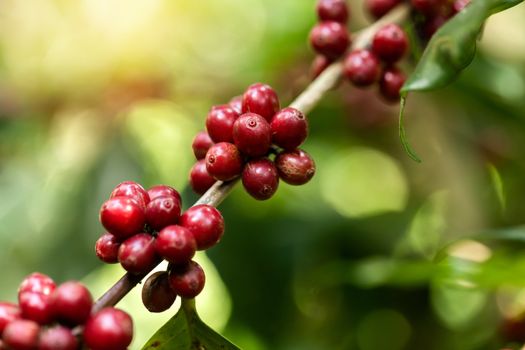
(497, 183)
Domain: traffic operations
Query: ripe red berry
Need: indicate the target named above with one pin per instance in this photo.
(21, 335)
(391, 82)
(72, 303)
(378, 8)
(260, 178)
(163, 190)
(36, 307)
(330, 39)
(390, 43)
(37, 283)
(252, 135)
(260, 99)
(8, 313)
(332, 10)
(107, 247)
(201, 143)
(187, 280)
(219, 123)
(205, 223)
(57, 338)
(131, 190)
(122, 216)
(319, 64)
(157, 295)
(426, 7)
(295, 167)
(137, 254)
(176, 244)
(163, 211)
(200, 179)
(224, 161)
(362, 68)
(289, 128)
(109, 329)
(236, 104)
(431, 26)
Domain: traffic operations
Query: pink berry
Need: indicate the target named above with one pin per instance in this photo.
(131, 190)
(289, 128)
(200, 179)
(391, 83)
(224, 161)
(163, 190)
(205, 223)
(107, 247)
(260, 178)
(37, 283)
(219, 123)
(390, 43)
(332, 10)
(162, 212)
(236, 104)
(201, 143)
(109, 329)
(8, 313)
(157, 294)
(260, 99)
(295, 167)
(57, 338)
(72, 303)
(378, 8)
(21, 335)
(122, 216)
(362, 68)
(330, 39)
(137, 254)
(176, 244)
(36, 307)
(252, 135)
(187, 280)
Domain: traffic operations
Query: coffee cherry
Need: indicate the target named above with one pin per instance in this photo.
(109, 329)
(122, 216)
(289, 128)
(426, 7)
(252, 135)
(295, 167)
(219, 123)
(260, 99)
(157, 295)
(362, 68)
(187, 280)
(57, 338)
(137, 254)
(131, 190)
(200, 179)
(176, 244)
(391, 82)
(390, 43)
(379, 8)
(431, 26)
(201, 143)
(319, 64)
(205, 223)
(8, 313)
(332, 10)
(236, 104)
(21, 335)
(223, 161)
(330, 39)
(260, 178)
(106, 248)
(37, 283)
(162, 212)
(36, 307)
(72, 303)
(163, 190)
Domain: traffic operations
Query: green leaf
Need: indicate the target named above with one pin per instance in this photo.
(186, 331)
(402, 133)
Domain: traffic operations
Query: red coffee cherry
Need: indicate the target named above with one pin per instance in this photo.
(391, 82)
(176, 244)
(109, 329)
(162, 212)
(131, 190)
(201, 144)
(236, 104)
(295, 167)
(21, 335)
(289, 128)
(426, 7)
(8, 313)
(362, 68)
(57, 338)
(72, 303)
(260, 178)
(378, 8)
(219, 123)
(431, 26)
(319, 64)
(205, 223)
(157, 295)
(260, 99)
(163, 190)
(223, 161)
(200, 179)
(37, 283)
(187, 280)
(252, 135)
(332, 10)
(36, 307)
(390, 43)
(122, 216)
(137, 254)
(330, 39)
(107, 247)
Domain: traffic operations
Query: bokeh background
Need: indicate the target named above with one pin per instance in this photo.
(377, 252)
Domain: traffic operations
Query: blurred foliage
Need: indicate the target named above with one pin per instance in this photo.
(376, 252)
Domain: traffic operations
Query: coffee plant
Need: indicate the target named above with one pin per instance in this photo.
(256, 141)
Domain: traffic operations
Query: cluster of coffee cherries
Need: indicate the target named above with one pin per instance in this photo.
(144, 227)
(253, 138)
(47, 314)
